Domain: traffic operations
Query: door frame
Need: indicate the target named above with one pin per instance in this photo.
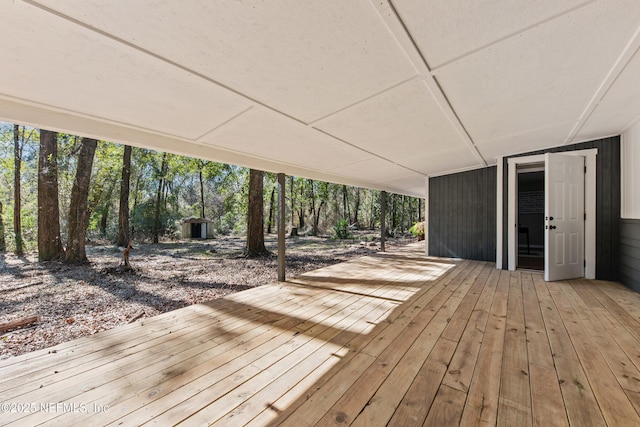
(512, 197)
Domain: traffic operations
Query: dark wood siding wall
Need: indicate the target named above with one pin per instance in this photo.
(462, 215)
(607, 203)
(630, 253)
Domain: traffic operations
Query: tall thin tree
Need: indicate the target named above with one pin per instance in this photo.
(255, 223)
(17, 190)
(272, 203)
(78, 207)
(3, 243)
(123, 212)
(201, 165)
(161, 181)
(49, 241)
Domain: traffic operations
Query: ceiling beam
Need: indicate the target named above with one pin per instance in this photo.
(628, 52)
(397, 27)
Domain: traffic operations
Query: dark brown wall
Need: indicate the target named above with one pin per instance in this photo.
(462, 215)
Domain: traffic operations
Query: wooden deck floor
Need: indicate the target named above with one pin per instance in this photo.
(395, 339)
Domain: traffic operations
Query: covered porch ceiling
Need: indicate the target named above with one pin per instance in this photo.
(380, 94)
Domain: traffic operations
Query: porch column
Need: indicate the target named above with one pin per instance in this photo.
(281, 229)
(383, 219)
(426, 218)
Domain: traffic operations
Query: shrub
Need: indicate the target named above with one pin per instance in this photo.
(341, 229)
(417, 230)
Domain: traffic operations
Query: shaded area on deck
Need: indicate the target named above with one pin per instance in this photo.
(397, 338)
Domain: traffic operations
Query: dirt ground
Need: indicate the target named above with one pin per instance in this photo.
(75, 301)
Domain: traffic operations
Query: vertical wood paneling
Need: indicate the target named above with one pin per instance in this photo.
(630, 253)
(462, 215)
(607, 203)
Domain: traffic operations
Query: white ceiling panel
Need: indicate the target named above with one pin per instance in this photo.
(544, 76)
(531, 140)
(306, 59)
(403, 122)
(373, 93)
(445, 159)
(414, 185)
(269, 135)
(445, 30)
(374, 170)
(619, 107)
(82, 72)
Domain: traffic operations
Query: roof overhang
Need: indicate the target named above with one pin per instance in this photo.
(367, 93)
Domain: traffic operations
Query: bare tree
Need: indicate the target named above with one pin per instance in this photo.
(255, 226)
(123, 212)
(17, 191)
(161, 183)
(49, 241)
(3, 243)
(78, 208)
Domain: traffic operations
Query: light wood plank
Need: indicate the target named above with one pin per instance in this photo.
(397, 339)
(580, 403)
(547, 406)
(326, 396)
(447, 324)
(481, 407)
(613, 402)
(514, 406)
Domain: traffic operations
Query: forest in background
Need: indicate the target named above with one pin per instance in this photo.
(165, 188)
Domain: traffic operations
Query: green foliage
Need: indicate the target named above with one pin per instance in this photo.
(341, 229)
(314, 207)
(417, 230)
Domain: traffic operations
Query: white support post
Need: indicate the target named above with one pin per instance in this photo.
(426, 217)
(281, 229)
(383, 219)
(499, 216)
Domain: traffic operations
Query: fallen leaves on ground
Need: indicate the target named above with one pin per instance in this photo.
(75, 301)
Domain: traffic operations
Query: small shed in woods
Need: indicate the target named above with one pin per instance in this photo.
(196, 228)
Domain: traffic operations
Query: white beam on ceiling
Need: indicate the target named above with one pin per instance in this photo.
(396, 26)
(628, 52)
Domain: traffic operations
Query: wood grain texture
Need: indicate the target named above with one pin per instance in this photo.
(395, 339)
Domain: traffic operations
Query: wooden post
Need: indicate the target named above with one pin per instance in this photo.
(383, 215)
(281, 229)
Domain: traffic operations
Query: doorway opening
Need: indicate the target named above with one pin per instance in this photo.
(531, 217)
(588, 223)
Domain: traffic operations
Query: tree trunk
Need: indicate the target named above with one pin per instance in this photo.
(394, 217)
(345, 201)
(3, 243)
(255, 226)
(123, 212)
(293, 203)
(301, 208)
(156, 219)
(272, 202)
(201, 194)
(78, 207)
(17, 191)
(316, 219)
(356, 208)
(49, 241)
(104, 219)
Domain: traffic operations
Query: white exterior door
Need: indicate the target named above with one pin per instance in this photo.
(203, 230)
(564, 217)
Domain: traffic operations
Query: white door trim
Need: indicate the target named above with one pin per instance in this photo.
(589, 201)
